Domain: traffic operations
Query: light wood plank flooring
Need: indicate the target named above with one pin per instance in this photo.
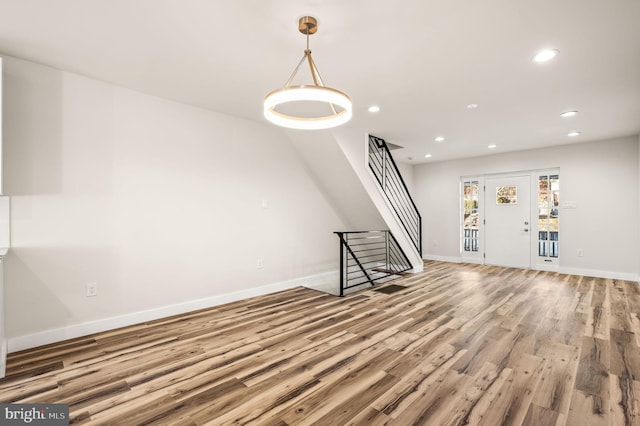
(462, 344)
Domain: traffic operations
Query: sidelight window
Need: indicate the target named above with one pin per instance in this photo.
(548, 215)
(471, 217)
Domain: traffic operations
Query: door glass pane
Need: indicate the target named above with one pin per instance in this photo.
(470, 221)
(507, 194)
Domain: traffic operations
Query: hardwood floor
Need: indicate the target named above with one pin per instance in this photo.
(462, 344)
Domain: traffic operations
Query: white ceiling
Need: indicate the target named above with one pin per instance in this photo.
(421, 61)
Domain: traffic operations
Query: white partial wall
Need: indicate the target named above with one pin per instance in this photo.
(602, 178)
(4, 246)
(355, 148)
(406, 170)
(167, 207)
(326, 163)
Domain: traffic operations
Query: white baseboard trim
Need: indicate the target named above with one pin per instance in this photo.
(442, 258)
(562, 270)
(599, 274)
(321, 279)
(329, 282)
(72, 331)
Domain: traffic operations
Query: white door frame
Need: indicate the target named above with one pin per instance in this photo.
(535, 261)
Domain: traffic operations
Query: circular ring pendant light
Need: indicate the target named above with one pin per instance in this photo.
(315, 92)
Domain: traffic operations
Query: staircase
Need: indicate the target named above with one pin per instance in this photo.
(360, 178)
(371, 257)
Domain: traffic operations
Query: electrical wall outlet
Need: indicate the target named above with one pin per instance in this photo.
(259, 264)
(580, 253)
(92, 289)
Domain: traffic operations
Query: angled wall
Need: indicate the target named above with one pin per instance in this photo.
(322, 157)
(167, 207)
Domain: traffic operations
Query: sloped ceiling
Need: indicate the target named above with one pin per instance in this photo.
(421, 61)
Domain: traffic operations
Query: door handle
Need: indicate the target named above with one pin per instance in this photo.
(526, 230)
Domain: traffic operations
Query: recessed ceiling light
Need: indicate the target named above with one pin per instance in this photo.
(573, 134)
(492, 146)
(567, 114)
(545, 55)
(472, 106)
(374, 108)
(439, 139)
(427, 156)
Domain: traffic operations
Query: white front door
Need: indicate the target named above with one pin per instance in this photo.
(508, 221)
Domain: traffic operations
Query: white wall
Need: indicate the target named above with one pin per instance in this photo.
(3, 339)
(1, 132)
(601, 177)
(406, 170)
(159, 203)
(4, 243)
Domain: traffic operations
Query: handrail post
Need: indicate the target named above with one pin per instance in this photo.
(420, 234)
(386, 249)
(341, 265)
(384, 169)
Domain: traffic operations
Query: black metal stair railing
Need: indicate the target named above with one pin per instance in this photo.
(369, 257)
(395, 189)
